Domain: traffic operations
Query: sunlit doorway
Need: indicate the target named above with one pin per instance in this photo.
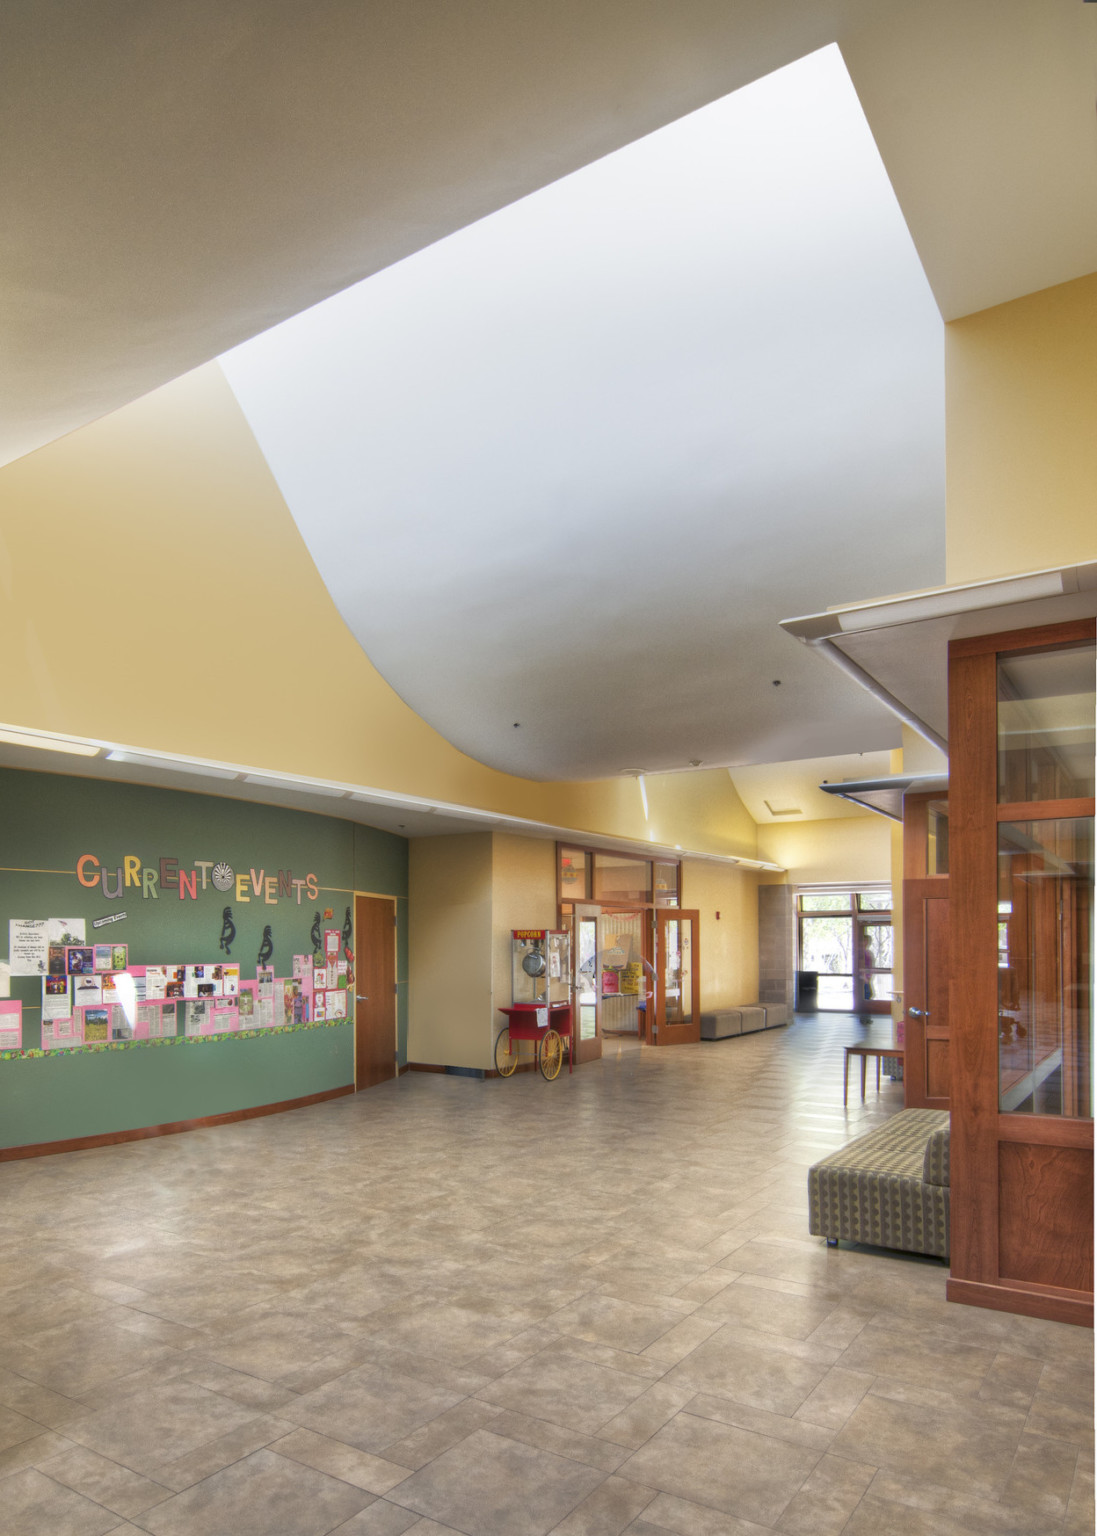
(845, 939)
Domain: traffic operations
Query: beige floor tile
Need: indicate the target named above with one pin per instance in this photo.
(105, 1482)
(143, 1430)
(964, 1444)
(734, 1470)
(607, 1511)
(373, 1473)
(217, 1454)
(835, 1398)
(263, 1495)
(379, 1519)
(591, 1450)
(431, 1439)
(32, 1452)
(796, 1431)
(497, 1487)
(649, 1412)
(370, 1408)
(34, 1505)
(669, 1516)
(753, 1368)
(620, 1324)
(565, 1388)
(827, 1499)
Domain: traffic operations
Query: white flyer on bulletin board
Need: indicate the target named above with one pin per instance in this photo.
(28, 946)
(11, 1025)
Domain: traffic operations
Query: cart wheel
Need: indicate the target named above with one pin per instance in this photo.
(550, 1055)
(506, 1054)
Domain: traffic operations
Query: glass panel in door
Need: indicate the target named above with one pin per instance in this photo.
(588, 1035)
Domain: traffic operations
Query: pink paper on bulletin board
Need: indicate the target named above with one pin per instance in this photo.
(11, 1024)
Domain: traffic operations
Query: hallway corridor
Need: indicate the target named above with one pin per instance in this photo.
(509, 1308)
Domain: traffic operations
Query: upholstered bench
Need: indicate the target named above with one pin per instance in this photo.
(889, 1188)
(742, 1021)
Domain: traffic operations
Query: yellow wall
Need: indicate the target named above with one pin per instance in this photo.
(156, 593)
(1021, 410)
(849, 849)
(523, 892)
(729, 944)
(450, 948)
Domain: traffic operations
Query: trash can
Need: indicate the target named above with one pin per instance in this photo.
(807, 991)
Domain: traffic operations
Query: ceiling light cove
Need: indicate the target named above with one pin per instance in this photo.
(584, 454)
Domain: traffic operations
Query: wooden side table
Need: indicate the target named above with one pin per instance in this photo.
(864, 1052)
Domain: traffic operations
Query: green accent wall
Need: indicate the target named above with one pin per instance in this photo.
(50, 820)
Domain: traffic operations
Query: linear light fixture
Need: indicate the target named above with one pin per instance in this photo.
(172, 765)
(49, 743)
(306, 787)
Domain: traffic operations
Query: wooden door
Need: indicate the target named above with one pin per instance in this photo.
(375, 990)
(678, 977)
(926, 1066)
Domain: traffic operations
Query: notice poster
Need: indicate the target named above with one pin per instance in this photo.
(319, 978)
(293, 1003)
(121, 1027)
(302, 966)
(5, 979)
(224, 1020)
(62, 1034)
(264, 978)
(169, 1020)
(87, 991)
(149, 1024)
(28, 946)
(609, 984)
(96, 1025)
(196, 1016)
(245, 1004)
(11, 1024)
(174, 980)
(156, 979)
(56, 961)
(102, 954)
(319, 1006)
(56, 998)
(337, 1005)
(278, 1002)
(230, 979)
(79, 960)
(332, 937)
(202, 980)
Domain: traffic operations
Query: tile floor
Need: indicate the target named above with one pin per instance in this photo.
(512, 1308)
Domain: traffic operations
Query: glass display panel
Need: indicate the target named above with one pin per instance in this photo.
(876, 941)
(1046, 732)
(831, 902)
(937, 837)
(666, 884)
(620, 971)
(1045, 924)
(621, 879)
(574, 874)
(881, 986)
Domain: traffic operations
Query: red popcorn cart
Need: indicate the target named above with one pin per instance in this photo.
(540, 1009)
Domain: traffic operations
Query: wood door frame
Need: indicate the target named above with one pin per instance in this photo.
(378, 896)
(918, 887)
(663, 915)
(980, 1173)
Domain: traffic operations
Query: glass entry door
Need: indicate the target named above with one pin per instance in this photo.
(584, 949)
(678, 978)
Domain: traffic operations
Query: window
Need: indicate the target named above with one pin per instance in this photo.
(845, 937)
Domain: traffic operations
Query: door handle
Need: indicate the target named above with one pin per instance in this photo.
(358, 998)
(918, 1013)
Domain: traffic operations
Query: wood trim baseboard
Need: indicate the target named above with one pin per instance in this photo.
(173, 1128)
(1056, 1306)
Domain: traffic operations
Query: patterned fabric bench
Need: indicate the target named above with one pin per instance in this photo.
(889, 1188)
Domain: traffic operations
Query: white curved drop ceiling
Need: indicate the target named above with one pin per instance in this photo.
(569, 466)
